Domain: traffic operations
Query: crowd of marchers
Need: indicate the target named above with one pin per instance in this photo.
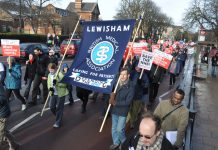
(130, 102)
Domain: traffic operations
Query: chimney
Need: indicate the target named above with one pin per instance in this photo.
(78, 5)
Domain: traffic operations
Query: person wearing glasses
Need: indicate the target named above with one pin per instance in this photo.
(174, 116)
(149, 136)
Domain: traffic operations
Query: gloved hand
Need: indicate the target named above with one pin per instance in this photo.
(10, 70)
(54, 82)
(112, 99)
(51, 89)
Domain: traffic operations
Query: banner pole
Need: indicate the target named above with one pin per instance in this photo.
(102, 125)
(61, 63)
(141, 74)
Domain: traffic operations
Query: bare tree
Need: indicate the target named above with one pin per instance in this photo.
(203, 13)
(153, 21)
(35, 8)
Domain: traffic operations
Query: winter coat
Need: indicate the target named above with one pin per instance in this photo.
(158, 76)
(30, 70)
(2, 73)
(42, 64)
(132, 141)
(53, 59)
(141, 85)
(4, 106)
(176, 121)
(13, 78)
(214, 61)
(172, 68)
(60, 87)
(124, 97)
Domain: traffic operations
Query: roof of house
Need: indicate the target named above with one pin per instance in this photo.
(85, 6)
(13, 9)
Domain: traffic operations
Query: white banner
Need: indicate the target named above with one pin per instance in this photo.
(146, 59)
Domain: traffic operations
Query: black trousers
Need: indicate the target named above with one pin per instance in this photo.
(17, 94)
(36, 83)
(83, 96)
(153, 90)
(172, 78)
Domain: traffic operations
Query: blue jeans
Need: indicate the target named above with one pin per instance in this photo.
(213, 71)
(118, 129)
(57, 108)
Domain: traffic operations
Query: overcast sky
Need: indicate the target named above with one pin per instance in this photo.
(173, 8)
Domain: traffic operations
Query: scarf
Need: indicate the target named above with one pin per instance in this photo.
(156, 145)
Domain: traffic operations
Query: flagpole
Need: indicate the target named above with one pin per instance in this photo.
(109, 106)
(61, 63)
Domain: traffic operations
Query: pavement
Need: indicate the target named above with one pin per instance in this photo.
(205, 133)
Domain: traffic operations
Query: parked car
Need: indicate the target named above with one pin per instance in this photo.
(73, 47)
(27, 48)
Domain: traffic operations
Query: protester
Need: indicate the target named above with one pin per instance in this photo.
(52, 57)
(13, 80)
(29, 74)
(58, 92)
(65, 68)
(174, 116)
(83, 95)
(150, 136)
(214, 64)
(120, 107)
(40, 76)
(4, 114)
(172, 71)
(2, 73)
(156, 75)
(140, 98)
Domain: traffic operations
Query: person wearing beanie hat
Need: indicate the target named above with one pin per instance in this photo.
(58, 92)
(65, 68)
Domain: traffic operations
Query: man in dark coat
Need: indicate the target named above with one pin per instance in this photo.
(150, 136)
(41, 76)
(121, 103)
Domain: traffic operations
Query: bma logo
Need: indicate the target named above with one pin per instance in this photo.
(102, 53)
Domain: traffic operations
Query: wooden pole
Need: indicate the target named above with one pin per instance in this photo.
(102, 125)
(60, 64)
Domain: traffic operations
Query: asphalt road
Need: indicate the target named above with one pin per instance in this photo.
(79, 131)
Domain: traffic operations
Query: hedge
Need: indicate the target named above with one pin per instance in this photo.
(28, 37)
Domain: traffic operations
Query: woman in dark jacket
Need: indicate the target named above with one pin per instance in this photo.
(13, 80)
(29, 74)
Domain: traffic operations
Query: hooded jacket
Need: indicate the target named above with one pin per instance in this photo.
(4, 107)
(13, 78)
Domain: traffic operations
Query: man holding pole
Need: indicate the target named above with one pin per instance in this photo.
(121, 101)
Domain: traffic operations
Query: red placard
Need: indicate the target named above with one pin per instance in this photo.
(155, 47)
(162, 59)
(10, 47)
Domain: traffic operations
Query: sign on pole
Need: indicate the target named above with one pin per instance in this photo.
(10, 47)
(146, 59)
(162, 59)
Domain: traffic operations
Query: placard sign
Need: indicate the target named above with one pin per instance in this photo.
(10, 47)
(146, 59)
